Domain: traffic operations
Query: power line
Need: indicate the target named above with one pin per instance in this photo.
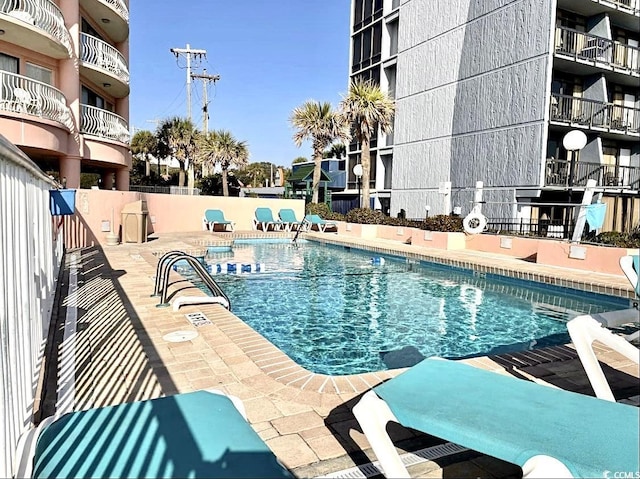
(205, 103)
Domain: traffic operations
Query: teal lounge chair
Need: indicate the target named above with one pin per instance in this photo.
(288, 217)
(320, 224)
(216, 217)
(630, 265)
(198, 434)
(547, 431)
(264, 220)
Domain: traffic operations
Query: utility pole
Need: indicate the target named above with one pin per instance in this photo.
(205, 107)
(188, 52)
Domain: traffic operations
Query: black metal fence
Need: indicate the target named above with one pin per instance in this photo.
(539, 228)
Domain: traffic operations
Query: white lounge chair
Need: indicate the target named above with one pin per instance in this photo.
(549, 432)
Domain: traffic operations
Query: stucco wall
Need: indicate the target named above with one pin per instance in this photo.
(472, 85)
(167, 213)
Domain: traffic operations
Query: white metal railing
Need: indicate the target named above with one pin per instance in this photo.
(101, 54)
(20, 94)
(584, 46)
(43, 14)
(120, 7)
(632, 5)
(104, 124)
(31, 252)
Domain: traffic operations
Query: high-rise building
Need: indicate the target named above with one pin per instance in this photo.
(64, 86)
(487, 90)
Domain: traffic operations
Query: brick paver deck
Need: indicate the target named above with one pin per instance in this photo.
(305, 418)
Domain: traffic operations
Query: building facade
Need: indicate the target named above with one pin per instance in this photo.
(64, 94)
(486, 91)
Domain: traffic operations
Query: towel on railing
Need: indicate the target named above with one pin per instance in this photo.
(595, 215)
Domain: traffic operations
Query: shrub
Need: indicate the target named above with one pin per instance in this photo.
(621, 240)
(445, 223)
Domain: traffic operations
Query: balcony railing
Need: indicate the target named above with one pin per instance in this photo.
(103, 124)
(584, 46)
(559, 174)
(43, 14)
(20, 94)
(594, 114)
(632, 5)
(96, 52)
(120, 7)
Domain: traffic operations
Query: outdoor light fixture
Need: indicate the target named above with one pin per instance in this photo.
(357, 170)
(106, 85)
(105, 20)
(1, 32)
(574, 141)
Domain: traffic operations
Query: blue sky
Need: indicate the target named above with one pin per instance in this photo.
(271, 55)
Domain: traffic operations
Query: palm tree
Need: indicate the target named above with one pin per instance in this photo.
(145, 144)
(317, 122)
(221, 148)
(367, 107)
(177, 138)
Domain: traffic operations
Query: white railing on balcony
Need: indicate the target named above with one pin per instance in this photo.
(32, 253)
(20, 94)
(584, 46)
(104, 124)
(101, 54)
(120, 7)
(43, 14)
(632, 5)
(594, 114)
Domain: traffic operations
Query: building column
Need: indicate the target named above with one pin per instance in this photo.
(69, 167)
(107, 179)
(122, 179)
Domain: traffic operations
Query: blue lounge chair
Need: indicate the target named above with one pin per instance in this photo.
(542, 429)
(216, 217)
(320, 224)
(264, 220)
(288, 217)
(199, 434)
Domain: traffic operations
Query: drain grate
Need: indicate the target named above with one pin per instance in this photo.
(408, 459)
(198, 319)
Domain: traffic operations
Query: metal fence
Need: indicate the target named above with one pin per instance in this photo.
(560, 229)
(167, 190)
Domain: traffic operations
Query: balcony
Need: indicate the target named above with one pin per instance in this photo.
(611, 176)
(103, 124)
(111, 15)
(104, 65)
(22, 95)
(593, 114)
(37, 25)
(594, 50)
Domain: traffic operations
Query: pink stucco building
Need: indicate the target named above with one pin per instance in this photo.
(64, 86)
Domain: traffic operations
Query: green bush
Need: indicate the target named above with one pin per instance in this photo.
(620, 240)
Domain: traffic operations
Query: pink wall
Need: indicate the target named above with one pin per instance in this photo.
(520, 247)
(167, 213)
(597, 258)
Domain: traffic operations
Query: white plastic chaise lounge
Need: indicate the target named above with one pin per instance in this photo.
(586, 329)
(319, 223)
(197, 434)
(549, 432)
(264, 220)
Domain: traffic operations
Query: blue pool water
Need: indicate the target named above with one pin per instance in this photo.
(334, 311)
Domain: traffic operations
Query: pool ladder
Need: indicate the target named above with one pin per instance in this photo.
(304, 224)
(162, 282)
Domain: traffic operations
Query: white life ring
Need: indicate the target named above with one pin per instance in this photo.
(474, 223)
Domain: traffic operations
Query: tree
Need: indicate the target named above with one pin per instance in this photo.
(144, 144)
(177, 139)
(221, 148)
(317, 122)
(367, 107)
(337, 150)
(300, 159)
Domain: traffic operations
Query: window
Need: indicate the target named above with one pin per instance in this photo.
(39, 73)
(9, 63)
(89, 30)
(91, 98)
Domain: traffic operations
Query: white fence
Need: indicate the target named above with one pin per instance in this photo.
(31, 254)
(101, 54)
(103, 123)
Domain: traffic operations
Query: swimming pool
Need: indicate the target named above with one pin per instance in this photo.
(335, 311)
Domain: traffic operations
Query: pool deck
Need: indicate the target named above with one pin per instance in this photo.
(119, 354)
